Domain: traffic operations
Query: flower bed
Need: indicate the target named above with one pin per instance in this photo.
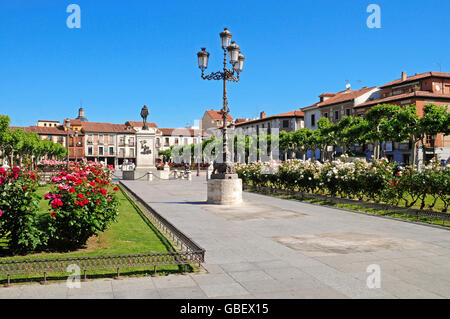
(82, 203)
(19, 224)
(51, 166)
(377, 181)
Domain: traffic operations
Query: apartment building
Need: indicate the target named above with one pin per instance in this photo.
(418, 89)
(212, 120)
(289, 121)
(109, 143)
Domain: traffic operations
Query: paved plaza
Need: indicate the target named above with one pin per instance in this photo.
(276, 248)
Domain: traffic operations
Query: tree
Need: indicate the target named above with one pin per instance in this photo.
(434, 121)
(379, 118)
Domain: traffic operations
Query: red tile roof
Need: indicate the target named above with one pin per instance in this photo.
(96, 127)
(180, 131)
(45, 130)
(417, 77)
(140, 124)
(281, 115)
(344, 96)
(405, 96)
(217, 115)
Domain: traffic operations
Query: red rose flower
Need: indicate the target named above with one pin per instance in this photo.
(71, 189)
(116, 188)
(103, 191)
(80, 196)
(53, 214)
(56, 203)
(85, 201)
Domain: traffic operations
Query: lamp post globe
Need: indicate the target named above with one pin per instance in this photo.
(203, 57)
(225, 37)
(233, 50)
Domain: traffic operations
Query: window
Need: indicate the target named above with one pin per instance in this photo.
(325, 115)
(89, 139)
(100, 139)
(49, 137)
(185, 141)
(122, 152)
(111, 150)
(285, 123)
(336, 115)
(89, 150)
(111, 139)
(131, 141)
(176, 141)
(347, 112)
(100, 151)
(61, 139)
(429, 140)
(313, 119)
(166, 141)
(131, 152)
(121, 140)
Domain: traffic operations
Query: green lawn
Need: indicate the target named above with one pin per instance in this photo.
(133, 233)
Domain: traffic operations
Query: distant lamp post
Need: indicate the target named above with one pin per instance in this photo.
(67, 141)
(75, 144)
(226, 169)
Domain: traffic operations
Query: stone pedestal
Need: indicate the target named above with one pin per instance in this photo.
(225, 191)
(145, 150)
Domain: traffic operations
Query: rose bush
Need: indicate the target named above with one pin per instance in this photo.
(377, 181)
(19, 222)
(83, 204)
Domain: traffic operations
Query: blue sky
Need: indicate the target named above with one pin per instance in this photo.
(131, 53)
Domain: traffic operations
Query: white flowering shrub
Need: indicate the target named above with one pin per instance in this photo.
(378, 180)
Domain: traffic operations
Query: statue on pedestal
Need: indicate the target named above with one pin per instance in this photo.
(144, 114)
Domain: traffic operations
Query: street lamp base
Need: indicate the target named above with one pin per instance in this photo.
(224, 171)
(225, 191)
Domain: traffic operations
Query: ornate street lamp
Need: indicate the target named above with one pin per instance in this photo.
(224, 170)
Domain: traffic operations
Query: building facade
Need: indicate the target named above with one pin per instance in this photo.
(418, 89)
(212, 120)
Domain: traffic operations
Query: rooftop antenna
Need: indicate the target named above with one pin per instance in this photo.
(348, 85)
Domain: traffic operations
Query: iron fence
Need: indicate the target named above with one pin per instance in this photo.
(417, 213)
(189, 253)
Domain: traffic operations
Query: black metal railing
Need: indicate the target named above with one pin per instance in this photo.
(417, 213)
(189, 253)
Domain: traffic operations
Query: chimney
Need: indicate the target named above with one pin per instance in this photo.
(403, 76)
(262, 115)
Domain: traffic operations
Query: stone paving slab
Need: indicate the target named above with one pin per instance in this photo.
(275, 248)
